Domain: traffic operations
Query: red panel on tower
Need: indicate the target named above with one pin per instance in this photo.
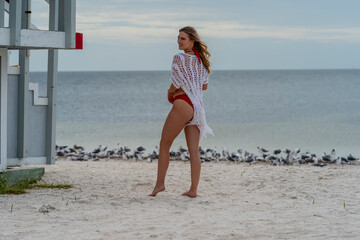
(79, 41)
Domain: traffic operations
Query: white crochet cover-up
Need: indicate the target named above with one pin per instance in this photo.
(189, 74)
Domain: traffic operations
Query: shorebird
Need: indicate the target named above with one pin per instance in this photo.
(72, 150)
(225, 152)
(216, 156)
(202, 152)
(140, 149)
(343, 159)
(110, 153)
(284, 161)
(333, 152)
(61, 147)
(230, 158)
(287, 151)
(326, 157)
(60, 154)
(96, 150)
(172, 154)
(102, 148)
(78, 147)
(157, 148)
(209, 150)
(277, 151)
(262, 150)
(102, 154)
(184, 157)
(305, 156)
(137, 155)
(271, 158)
(181, 149)
(249, 159)
(300, 161)
(351, 157)
(155, 155)
(296, 151)
(252, 157)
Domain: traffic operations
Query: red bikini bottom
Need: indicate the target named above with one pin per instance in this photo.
(183, 97)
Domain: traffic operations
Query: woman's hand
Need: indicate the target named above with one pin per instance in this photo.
(171, 91)
(170, 97)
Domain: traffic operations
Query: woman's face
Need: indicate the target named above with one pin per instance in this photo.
(184, 42)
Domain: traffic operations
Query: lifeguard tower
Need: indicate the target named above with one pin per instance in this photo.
(28, 121)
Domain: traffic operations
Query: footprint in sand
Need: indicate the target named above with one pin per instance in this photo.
(144, 186)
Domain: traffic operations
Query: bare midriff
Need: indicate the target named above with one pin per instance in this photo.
(179, 92)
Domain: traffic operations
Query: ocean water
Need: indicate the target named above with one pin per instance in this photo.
(315, 110)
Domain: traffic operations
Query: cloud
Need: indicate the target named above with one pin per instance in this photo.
(235, 30)
(108, 24)
(115, 26)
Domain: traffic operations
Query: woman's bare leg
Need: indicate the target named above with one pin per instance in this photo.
(192, 134)
(180, 113)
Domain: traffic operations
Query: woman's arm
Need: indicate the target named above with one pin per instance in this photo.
(204, 87)
(172, 89)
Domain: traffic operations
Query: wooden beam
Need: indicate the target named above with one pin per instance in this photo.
(3, 107)
(15, 22)
(34, 39)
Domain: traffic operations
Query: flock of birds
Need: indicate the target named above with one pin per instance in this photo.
(275, 157)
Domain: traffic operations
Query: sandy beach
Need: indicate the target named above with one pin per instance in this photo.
(237, 201)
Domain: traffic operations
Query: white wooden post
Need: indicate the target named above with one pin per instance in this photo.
(51, 86)
(3, 107)
(15, 22)
(67, 24)
(23, 93)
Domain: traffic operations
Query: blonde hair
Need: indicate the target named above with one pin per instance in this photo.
(199, 45)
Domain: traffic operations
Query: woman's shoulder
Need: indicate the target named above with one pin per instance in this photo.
(179, 55)
(178, 58)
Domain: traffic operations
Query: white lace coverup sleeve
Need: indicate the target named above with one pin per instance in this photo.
(189, 74)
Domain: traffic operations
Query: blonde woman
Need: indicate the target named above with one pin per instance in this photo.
(190, 71)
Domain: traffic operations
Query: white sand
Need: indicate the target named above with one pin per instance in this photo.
(237, 201)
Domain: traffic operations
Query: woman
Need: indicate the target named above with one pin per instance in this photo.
(189, 77)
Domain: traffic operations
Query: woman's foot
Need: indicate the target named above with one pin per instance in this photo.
(190, 193)
(156, 190)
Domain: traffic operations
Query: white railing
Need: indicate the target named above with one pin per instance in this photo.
(60, 11)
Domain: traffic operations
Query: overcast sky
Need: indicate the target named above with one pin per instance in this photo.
(241, 34)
